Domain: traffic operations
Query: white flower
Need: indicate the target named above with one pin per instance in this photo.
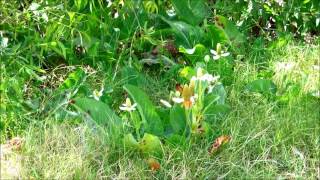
(165, 103)
(209, 78)
(128, 106)
(217, 55)
(177, 100)
(204, 77)
(181, 100)
(97, 94)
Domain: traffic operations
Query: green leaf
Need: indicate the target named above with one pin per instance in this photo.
(195, 54)
(73, 80)
(186, 34)
(178, 119)
(218, 92)
(236, 38)
(131, 76)
(216, 35)
(214, 105)
(191, 11)
(262, 86)
(187, 72)
(150, 145)
(101, 114)
(130, 142)
(217, 110)
(80, 4)
(150, 118)
(175, 139)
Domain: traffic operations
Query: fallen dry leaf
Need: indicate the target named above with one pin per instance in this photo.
(153, 164)
(16, 143)
(220, 141)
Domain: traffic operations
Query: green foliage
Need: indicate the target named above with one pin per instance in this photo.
(150, 145)
(195, 54)
(151, 120)
(101, 114)
(186, 34)
(262, 86)
(178, 120)
(191, 11)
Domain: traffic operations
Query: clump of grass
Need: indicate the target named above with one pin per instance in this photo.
(298, 66)
(63, 151)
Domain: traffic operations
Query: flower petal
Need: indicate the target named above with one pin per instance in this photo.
(177, 100)
(123, 108)
(190, 51)
(216, 57)
(165, 103)
(225, 54)
(213, 52)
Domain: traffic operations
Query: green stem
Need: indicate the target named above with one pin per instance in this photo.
(187, 111)
(135, 124)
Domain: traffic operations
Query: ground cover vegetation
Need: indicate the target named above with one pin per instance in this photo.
(148, 89)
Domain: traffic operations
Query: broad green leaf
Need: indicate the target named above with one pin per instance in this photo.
(216, 35)
(178, 119)
(191, 11)
(151, 120)
(130, 142)
(263, 86)
(131, 76)
(217, 110)
(56, 46)
(218, 92)
(236, 38)
(101, 114)
(186, 34)
(150, 145)
(195, 54)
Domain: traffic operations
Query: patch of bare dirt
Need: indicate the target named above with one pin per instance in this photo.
(11, 159)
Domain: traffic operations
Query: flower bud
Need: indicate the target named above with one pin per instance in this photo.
(199, 72)
(218, 48)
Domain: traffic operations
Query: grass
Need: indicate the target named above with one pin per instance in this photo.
(270, 139)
